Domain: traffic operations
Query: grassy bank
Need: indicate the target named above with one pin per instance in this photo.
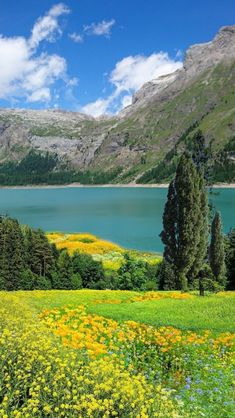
(213, 312)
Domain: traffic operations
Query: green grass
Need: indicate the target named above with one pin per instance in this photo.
(213, 312)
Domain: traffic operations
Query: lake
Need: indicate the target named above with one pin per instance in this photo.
(131, 217)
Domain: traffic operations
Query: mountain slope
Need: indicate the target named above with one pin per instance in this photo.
(163, 117)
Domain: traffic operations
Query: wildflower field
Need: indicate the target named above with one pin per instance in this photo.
(91, 353)
(111, 255)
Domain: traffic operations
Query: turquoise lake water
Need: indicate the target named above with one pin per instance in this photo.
(131, 217)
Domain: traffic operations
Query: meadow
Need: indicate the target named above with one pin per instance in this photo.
(110, 254)
(89, 353)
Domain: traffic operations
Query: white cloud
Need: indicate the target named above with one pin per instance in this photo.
(132, 72)
(25, 73)
(47, 27)
(100, 29)
(73, 82)
(126, 100)
(40, 95)
(128, 76)
(97, 108)
(76, 37)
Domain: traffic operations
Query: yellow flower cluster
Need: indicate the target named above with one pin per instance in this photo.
(39, 378)
(162, 295)
(85, 243)
(147, 296)
(96, 335)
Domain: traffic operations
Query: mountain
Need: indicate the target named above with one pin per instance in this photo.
(144, 141)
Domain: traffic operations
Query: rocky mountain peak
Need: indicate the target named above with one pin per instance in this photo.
(198, 58)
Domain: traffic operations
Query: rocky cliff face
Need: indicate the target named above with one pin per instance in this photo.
(202, 92)
(198, 59)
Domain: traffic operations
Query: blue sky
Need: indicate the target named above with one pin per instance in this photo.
(92, 55)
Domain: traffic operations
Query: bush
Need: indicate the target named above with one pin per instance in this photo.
(41, 282)
(76, 281)
(26, 281)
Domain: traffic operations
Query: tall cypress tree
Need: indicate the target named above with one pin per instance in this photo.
(183, 221)
(168, 235)
(203, 228)
(187, 185)
(217, 253)
(230, 260)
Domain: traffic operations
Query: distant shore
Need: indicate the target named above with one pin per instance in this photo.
(132, 185)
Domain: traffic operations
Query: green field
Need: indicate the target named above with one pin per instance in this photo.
(213, 312)
(91, 353)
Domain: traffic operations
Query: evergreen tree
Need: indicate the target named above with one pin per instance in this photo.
(166, 276)
(230, 260)
(65, 271)
(12, 253)
(169, 235)
(217, 253)
(203, 228)
(40, 255)
(187, 185)
(184, 220)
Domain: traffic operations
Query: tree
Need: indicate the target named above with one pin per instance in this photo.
(166, 276)
(27, 280)
(133, 274)
(217, 253)
(203, 228)
(39, 253)
(184, 219)
(230, 260)
(12, 262)
(169, 233)
(65, 270)
(90, 270)
(76, 281)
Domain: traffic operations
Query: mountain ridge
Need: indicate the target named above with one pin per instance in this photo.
(201, 93)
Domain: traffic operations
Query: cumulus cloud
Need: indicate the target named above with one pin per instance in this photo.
(97, 108)
(128, 76)
(25, 73)
(100, 29)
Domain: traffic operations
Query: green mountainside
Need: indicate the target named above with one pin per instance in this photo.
(141, 144)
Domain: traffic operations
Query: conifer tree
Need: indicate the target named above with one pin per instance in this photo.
(166, 276)
(217, 253)
(40, 253)
(65, 271)
(12, 262)
(184, 220)
(230, 260)
(203, 228)
(168, 235)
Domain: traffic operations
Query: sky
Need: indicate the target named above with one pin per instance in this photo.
(92, 55)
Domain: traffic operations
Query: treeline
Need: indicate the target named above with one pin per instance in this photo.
(39, 168)
(196, 254)
(28, 261)
(219, 166)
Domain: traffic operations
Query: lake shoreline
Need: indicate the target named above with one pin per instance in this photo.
(119, 185)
